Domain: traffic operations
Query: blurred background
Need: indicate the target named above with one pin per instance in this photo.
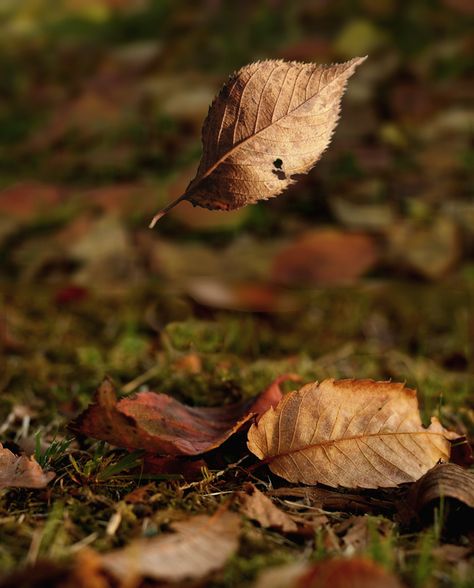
(365, 268)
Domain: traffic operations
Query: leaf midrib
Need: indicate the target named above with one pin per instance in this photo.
(330, 442)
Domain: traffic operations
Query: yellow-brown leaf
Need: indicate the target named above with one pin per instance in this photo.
(351, 433)
(270, 123)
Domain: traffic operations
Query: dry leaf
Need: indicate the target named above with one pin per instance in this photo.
(258, 507)
(333, 573)
(326, 256)
(445, 480)
(21, 471)
(160, 424)
(352, 433)
(271, 122)
(336, 500)
(200, 545)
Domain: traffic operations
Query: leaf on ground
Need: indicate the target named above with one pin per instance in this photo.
(270, 123)
(160, 424)
(29, 199)
(21, 471)
(199, 546)
(326, 256)
(352, 433)
(430, 251)
(335, 500)
(444, 481)
(258, 507)
(332, 573)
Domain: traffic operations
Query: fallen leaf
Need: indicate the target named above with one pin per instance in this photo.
(190, 469)
(358, 531)
(21, 471)
(160, 424)
(332, 573)
(325, 256)
(352, 433)
(199, 546)
(258, 507)
(444, 481)
(430, 251)
(83, 572)
(271, 121)
(335, 500)
(29, 199)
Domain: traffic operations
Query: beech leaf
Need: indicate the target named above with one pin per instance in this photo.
(21, 471)
(200, 545)
(269, 124)
(351, 433)
(158, 423)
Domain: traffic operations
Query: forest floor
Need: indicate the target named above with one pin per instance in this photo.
(210, 308)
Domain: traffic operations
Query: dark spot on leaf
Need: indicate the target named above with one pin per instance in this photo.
(278, 163)
(279, 174)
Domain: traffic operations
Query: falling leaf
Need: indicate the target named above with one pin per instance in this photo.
(352, 433)
(258, 507)
(21, 471)
(160, 424)
(326, 256)
(271, 122)
(333, 573)
(199, 546)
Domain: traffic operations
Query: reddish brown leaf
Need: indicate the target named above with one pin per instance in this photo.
(26, 200)
(21, 471)
(160, 424)
(333, 573)
(326, 256)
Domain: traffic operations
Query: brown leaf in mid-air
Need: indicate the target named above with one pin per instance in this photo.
(270, 123)
(352, 433)
(21, 471)
(158, 423)
(199, 546)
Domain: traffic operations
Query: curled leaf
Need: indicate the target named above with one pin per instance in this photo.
(446, 488)
(270, 123)
(352, 433)
(157, 423)
(200, 545)
(21, 471)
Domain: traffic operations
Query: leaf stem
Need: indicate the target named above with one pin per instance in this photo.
(166, 209)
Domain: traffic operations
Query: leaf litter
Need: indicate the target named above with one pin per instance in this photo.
(163, 494)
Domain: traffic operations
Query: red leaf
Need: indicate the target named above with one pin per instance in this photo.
(160, 424)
